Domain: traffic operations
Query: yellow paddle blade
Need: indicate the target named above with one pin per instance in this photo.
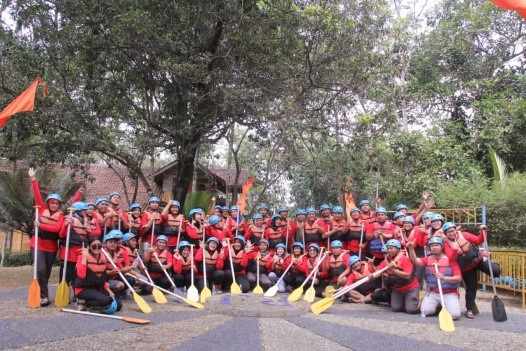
(296, 294)
(192, 294)
(62, 295)
(235, 289)
(446, 321)
(329, 291)
(193, 303)
(320, 306)
(159, 297)
(310, 295)
(144, 307)
(258, 290)
(205, 294)
(272, 291)
(422, 294)
(33, 295)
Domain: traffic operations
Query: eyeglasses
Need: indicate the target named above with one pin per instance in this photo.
(96, 247)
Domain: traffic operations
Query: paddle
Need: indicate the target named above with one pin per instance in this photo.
(169, 278)
(157, 294)
(62, 295)
(184, 299)
(330, 291)
(444, 317)
(179, 231)
(273, 290)
(234, 288)
(33, 293)
(143, 306)
(322, 305)
(361, 242)
(153, 230)
(205, 293)
(125, 319)
(296, 294)
(310, 294)
(192, 293)
(257, 289)
(497, 306)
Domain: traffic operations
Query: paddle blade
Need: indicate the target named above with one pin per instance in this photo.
(62, 295)
(235, 289)
(320, 306)
(159, 297)
(310, 294)
(498, 310)
(421, 294)
(193, 303)
(33, 295)
(205, 294)
(272, 291)
(258, 290)
(192, 294)
(135, 320)
(329, 291)
(143, 306)
(446, 321)
(296, 294)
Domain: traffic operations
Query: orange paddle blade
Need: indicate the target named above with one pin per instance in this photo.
(33, 295)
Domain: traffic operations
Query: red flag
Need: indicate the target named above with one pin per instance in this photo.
(510, 4)
(24, 102)
(241, 202)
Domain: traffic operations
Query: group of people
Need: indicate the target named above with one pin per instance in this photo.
(112, 249)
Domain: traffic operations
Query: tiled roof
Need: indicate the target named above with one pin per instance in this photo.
(229, 175)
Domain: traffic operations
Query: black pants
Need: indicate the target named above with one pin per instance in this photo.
(162, 282)
(382, 295)
(215, 278)
(71, 272)
(241, 280)
(294, 280)
(470, 279)
(45, 262)
(97, 298)
(183, 279)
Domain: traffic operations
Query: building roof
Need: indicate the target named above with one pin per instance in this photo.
(229, 175)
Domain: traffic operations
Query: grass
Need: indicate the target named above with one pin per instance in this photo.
(19, 277)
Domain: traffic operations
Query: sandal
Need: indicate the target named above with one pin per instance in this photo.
(469, 314)
(44, 302)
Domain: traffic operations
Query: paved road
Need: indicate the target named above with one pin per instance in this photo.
(228, 324)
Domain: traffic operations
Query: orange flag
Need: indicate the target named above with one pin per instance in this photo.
(24, 102)
(241, 202)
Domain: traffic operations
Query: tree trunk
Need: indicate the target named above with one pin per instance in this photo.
(184, 174)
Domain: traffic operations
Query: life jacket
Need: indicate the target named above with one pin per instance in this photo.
(312, 235)
(156, 266)
(336, 265)
(444, 268)
(278, 267)
(394, 281)
(172, 225)
(256, 235)
(47, 218)
(115, 220)
(368, 217)
(364, 272)
(275, 237)
(78, 234)
(135, 227)
(339, 235)
(95, 273)
(158, 229)
(187, 264)
(376, 243)
(210, 262)
(236, 261)
(132, 254)
(118, 258)
(263, 259)
(355, 230)
(93, 224)
(311, 263)
(294, 269)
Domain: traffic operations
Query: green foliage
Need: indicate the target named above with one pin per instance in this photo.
(17, 259)
(197, 199)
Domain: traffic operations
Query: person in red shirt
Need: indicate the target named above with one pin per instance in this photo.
(214, 258)
(288, 227)
(240, 255)
(354, 272)
(274, 233)
(410, 233)
(49, 223)
(356, 234)
(256, 230)
(93, 220)
(263, 257)
(153, 226)
(158, 259)
(120, 221)
(216, 230)
(91, 283)
(296, 274)
(321, 278)
(337, 263)
(278, 267)
(339, 228)
(106, 215)
(182, 266)
(173, 223)
(378, 232)
(119, 255)
(136, 220)
(238, 222)
(264, 212)
(366, 214)
(400, 277)
(448, 273)
(310, 232)
(195, 228)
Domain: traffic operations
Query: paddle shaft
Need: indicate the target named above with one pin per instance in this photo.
(489, 262)
(192, 265)
(164, 270)
(66, 254)
(361, 242)
(184, 299)
(126, 319)
(359, 282)
(440, 287)
(257, 271)
(231, 261)
(36, 245)
(284, 273)
(118, 271)
(153, 231)
(204, 270)
(179, 231)
(313, 272)
(146, 269)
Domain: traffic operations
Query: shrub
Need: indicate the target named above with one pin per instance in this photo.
(17, 259)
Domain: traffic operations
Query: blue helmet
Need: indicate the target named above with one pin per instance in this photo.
(448, 225)
(363, 202)
(436, 240)
(384, 248)
(79, 206)
(398, 214)
(127, 237)
(300, 211)
(154, 199)
(215, 240)
(193, 211)
(325, 207)
(353, 259)
(336, 244)
(256, 216)
(134, 206)
(54, 197)
(175, 203)
(234, 208)
(113, 234)
(182, 244)
(162, 237)
(401, 207)
(263, 241)
(283, 209)
(214, 219)
(298, 244)
(310, 209)
(337, 209)
(225, 208)
(262, 206)
(114, 194)
(355, 209)
(282, 246)
(381, 210)
(438, 217)
(314, 246)
(90, 204)
(428, 215)
(409, 219)
(111, 309)
(274, 217)
(393, 242)
(240, 238)
(101, 199)
(217, 207)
